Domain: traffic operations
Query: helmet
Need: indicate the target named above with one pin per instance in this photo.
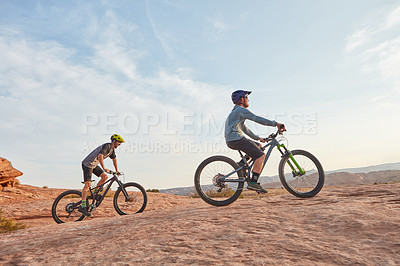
(117, 138)
(236, 95)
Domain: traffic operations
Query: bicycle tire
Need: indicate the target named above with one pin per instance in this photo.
(303, 186)
(208, 191)
(137, 202)
(61, 212)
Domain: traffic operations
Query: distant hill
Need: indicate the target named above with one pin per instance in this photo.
(373, 168)
(382, 173)
(183, 191)
(374, 177)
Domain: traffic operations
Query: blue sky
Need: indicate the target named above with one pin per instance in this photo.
(160, 73)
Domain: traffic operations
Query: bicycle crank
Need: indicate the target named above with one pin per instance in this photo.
(92, 208)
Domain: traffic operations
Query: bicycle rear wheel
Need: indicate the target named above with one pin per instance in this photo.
(210, 185)
(136, 201)
(65, 207)
(306, 184)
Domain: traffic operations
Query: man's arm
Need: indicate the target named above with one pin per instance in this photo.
(248, 132)
(115, 164)
(101, 161)
(258, 119)
(261, 120)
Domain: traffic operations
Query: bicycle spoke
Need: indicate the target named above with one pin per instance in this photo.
(65, 207)
(302, 185)
(210, 181)
(134, 203)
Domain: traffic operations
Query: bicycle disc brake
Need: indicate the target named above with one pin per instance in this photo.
(297, 173)
(218, 182)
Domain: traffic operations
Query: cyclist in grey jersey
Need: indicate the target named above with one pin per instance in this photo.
(92, 160)
(235, 139)
(235, 127)
(90, 165)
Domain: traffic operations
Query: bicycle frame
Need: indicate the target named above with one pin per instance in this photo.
(249, 165)
(110, 181)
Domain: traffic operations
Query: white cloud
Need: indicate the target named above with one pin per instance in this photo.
(165, 38)
(357, 39)
(46, 92)
(218, 27)
(377, 48)
(393, 19)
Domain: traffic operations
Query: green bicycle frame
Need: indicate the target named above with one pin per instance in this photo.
(300, 170)
(296, 169)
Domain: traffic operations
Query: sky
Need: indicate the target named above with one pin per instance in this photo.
(160, 74)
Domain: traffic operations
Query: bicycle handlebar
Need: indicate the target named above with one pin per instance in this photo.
(114, 173)
(274, 135)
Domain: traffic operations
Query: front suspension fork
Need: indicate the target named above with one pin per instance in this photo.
(291, 161)
(127, 198)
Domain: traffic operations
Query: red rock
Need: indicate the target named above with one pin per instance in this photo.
(8, 173)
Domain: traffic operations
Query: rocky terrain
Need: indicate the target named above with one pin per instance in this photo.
(8, 173)
(340, 226)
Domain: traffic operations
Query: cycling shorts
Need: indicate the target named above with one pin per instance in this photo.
(87, 172)
(251, 148)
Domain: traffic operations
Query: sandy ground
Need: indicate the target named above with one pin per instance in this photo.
(340, 226)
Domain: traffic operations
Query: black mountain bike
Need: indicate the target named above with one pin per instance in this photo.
(219, 180)
(129, 198)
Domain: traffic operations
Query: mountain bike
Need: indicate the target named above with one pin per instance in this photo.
(129, 198)
(219, 180)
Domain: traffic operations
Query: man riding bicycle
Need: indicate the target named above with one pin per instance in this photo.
(90, 165)
(234, 129)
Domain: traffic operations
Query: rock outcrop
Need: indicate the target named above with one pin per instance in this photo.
(8, 173)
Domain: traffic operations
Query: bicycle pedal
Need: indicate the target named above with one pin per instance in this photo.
(261, 192)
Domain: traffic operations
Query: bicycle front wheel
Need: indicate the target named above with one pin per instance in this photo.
(210, 183)
(134, 202)
(302, 175)
(65, 207)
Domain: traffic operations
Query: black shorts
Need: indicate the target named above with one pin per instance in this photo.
(87, 172)
(251, 148)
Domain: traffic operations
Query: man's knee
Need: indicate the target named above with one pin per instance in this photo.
(86, 185)
(103, 176)
(261, 158)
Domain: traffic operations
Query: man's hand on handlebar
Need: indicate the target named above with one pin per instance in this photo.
(110, 172)
(281, 127)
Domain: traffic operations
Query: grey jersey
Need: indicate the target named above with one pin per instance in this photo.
(106, 150)
(235, 127)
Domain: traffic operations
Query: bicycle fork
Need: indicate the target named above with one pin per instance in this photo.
(127, 197)
(291, 161)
